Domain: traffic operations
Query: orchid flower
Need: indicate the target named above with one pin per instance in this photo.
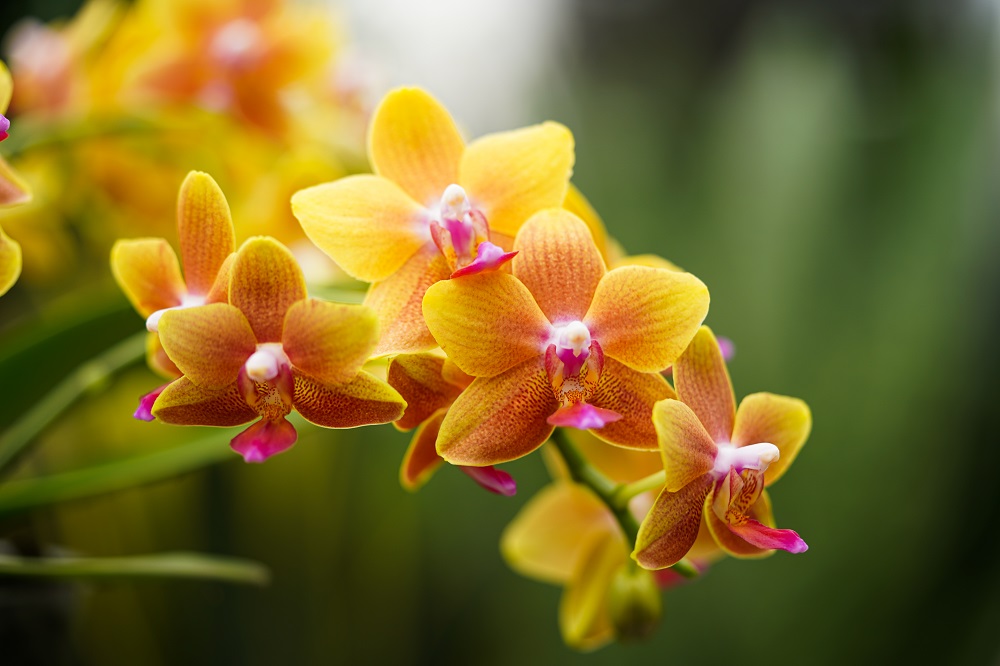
(12, 191)
(268, 351)
(559, 342)
(429, 383)
(434, 209)
(718, 462)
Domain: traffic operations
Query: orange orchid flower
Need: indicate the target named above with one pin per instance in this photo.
(434, 209)
(560, 342)
(718, 461)
(268, 351)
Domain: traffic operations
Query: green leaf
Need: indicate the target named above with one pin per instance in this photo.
(181, 565)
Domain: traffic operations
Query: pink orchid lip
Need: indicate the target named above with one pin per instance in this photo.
(583, 416)
(489, 257)
(4, 127)
(770, 538)
(144, 412)
(492, 479)
(264, 439)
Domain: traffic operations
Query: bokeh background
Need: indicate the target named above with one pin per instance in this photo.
(829, 169)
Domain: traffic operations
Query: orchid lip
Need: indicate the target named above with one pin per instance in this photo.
(752, 456)
(188, 301)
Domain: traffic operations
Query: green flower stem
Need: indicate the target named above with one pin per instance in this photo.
(609, 492)
(156, 566)
(85, 378)
(624, 493)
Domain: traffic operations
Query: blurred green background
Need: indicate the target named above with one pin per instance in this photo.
(830, 171)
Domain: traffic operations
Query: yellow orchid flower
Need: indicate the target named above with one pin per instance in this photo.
(560, 342)
(12, 191)
(434, 209)
(718, 461)
(268, 351)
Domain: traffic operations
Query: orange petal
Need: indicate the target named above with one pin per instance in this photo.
(631, 394)
(727, 540)
(147, 271)
(688, 450)
(13, 188)
(421, 458)
(486, 323)
(185, 403)
(671, 526)
(511, 175)
(156, 357)
(584, 616)
(205, 227)
(578, 204)
(420, 380)
(780, 420)
(265, 281)
(329, 341)
(10, 262)
(498, 419)
(366, 224)
(547, 539)
(703, 384)
(363, 401)
(219, 293)
(209, 343)
(398, 302)
(559, 264)
(414, 142)
(645, 317)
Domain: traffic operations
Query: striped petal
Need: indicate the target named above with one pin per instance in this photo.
(421, 458)
(645, 317)
(365, 400)
(398, 302)
(584, 616)
(687, 449)
(329, 341)
(703, 384)
(420, 379)
(498, 419)
(147, 271)
(264, 283)
(10, 262)
(486, 323)
(631, 394)
(366, 224)
(209, 343)
(512, 175)
(185, 403)
(205, 228)
(13, 188)
(414, 142)
(580, 206)
(559, 264)
(777, 419)
(671, 526)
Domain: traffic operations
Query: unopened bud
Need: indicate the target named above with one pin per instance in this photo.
(634, 603)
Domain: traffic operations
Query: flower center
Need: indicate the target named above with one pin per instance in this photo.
(187, 301)
(462, 235)
(754, 456)
(236, 44)
(572, 343)
(265, 363)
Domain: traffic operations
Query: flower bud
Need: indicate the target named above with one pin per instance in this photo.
(634, 603)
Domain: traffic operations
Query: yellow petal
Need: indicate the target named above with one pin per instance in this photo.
(147, 271)
(366, 224)
(688, 450)
(157, 359)
(580, 206)
(671, 526)
(265, 281)
(547, 539)
(559, 264)
(645, 317)
(185, 403)
(512, 175)
(584, 617)
(398, 302)
(486, 323)
(6, 87)
(421, 458)
(414, 142)
(329, 341)
(777, 419)
(209, 343)
(420, 379)
(364, 400)
(648, 260)
(219, 293)
(205, 227)
(498, 419)
(13, 188)
(703, 384)
(10, 262)
(631, 394)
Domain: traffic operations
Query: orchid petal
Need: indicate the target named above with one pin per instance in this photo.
(777, 419)
(209, 343)
(421, 458)
(264, 439)
(703, 384)
(498, 419)
(10, 262)
(731, 542)
(558, 263)
(13, 188)
(631, 394)
(205, 228)
(147, 271)
(366, 224)
(398, 302)
(511, 175)
(219, 293)
(688, 450)
(645, 317)
(647, 260)
(329, 341)
(420, 380)
(156, 357)
(492, 479)
(578, 204)
(365, 400)
(414, 142)
(618, 464)
(6, 87)
(584, 618)
(486, 323)
(264, 283)
(671, 526)
(185, 403)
